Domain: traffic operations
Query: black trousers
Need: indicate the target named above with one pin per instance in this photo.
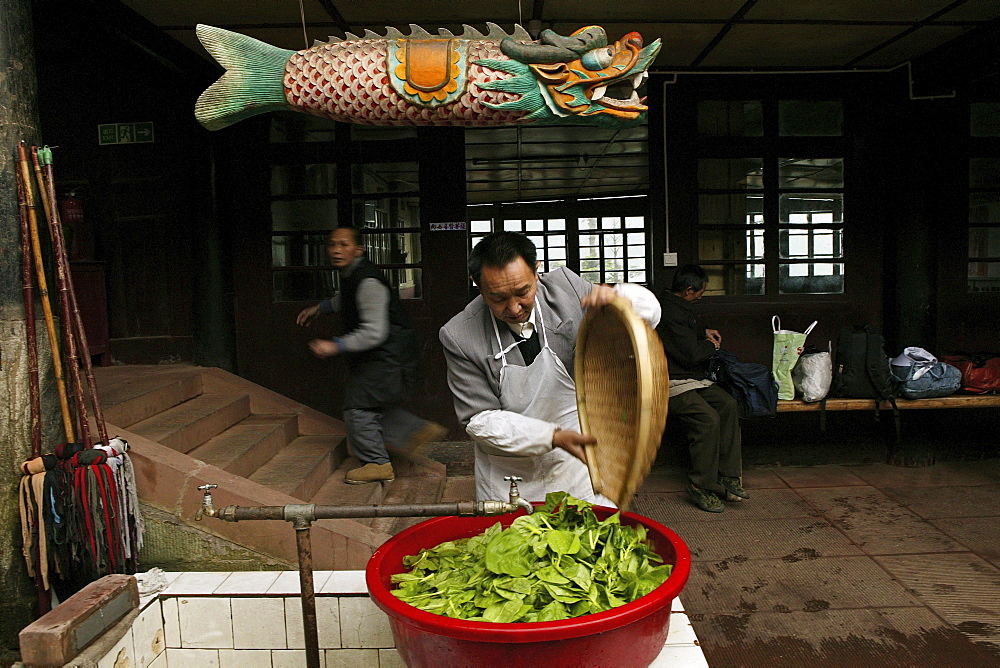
(711, 422)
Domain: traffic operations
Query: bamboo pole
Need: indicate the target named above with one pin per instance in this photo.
(24, 170)
(62, 255)
(63, 281)
(29, 323)
(44, 599)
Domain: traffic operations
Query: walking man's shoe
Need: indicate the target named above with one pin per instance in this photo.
(734, 490)
(430, 432)
(370, 473)
(705, 500)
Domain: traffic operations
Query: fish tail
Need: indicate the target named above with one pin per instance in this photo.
(252, 84)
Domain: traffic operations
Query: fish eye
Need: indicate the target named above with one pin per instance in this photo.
(598, 59)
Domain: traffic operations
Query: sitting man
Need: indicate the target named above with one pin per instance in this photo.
(510, 356)
(709, 414)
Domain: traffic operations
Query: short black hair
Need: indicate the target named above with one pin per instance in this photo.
(358, 234)
(689, 276)
(500, 249)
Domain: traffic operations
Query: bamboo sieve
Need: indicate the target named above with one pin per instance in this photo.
(621, 396)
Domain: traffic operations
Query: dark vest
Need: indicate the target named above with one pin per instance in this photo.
(382, 376)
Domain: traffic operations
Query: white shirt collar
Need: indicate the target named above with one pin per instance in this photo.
(524, 329)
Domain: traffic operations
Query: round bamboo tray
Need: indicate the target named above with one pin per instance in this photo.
(622, 392)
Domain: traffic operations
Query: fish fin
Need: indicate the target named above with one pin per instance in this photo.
(253, 83)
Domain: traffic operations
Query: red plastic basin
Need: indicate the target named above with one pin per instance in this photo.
(628, 636)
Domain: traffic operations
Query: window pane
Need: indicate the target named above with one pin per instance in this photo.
(387, 212)
(294, 215)
(588, 223)
(984, 242)
(810, 118)
(614, 277)
(811, 278)
(730, 174)
(512, 225)
(589, 240)
(735, 279)
(811, 172)
(636, 238)
(393, 247)
(298, 250)
(635, 222)
(730, 245)
(985, 121)
(611, 223)
(534, 225)
(731, 209)
(811, 209)
(589, 252)
(317, 179)
(984, 208)
(637, 277)
(290, 126)
(481, 226)
(557, 224)
(984, 277)
(730, 118)
(811, 243)
(556, 240)
(557, 253)
(984, 173)
(593, 277)
(303, 285)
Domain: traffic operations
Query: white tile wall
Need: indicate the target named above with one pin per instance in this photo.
(352, 658)
(216, 628)
(244, 658)
(294, 633)
(363, 625)
(253, 582)
(258, 623)
(189, 658)
(122, 654)
(205, 621)
(148, 634)
(171, 622)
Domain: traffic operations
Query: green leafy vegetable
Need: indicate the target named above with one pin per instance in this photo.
(557, 563)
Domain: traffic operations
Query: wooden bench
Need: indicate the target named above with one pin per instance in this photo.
(838, 404)
(841, 404)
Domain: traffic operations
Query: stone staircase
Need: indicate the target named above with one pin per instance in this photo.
(190, 425)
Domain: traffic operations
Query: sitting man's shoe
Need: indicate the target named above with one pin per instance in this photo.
(705, 500)
(430, 432)
(734, 490)
(370, 473)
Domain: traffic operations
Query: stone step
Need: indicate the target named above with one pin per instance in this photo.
(136, 398)
(417, 489)
(188, 425)
(335, 492)
(302, 467)
(248, 444)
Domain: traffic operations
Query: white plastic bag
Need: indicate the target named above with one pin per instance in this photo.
(812, 376)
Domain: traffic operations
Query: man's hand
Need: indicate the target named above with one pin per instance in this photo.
(324, 348)
(598, 297)
(306, 316)
(572, 442)
(714, 336)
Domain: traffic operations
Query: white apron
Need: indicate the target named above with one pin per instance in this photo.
(543, 390)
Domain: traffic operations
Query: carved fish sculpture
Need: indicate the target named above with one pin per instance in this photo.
(420, 79)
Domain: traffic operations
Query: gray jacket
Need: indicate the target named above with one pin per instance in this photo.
(470, 343)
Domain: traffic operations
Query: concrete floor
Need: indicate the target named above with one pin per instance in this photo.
(844, 561)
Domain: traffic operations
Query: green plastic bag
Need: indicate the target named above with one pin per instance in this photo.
(788, 346)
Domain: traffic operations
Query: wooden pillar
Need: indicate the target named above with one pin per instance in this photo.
(18, 120)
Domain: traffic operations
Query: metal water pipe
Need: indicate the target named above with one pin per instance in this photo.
(302, 515)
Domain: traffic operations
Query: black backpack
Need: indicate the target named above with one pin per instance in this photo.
(752, 385)
(861, 367)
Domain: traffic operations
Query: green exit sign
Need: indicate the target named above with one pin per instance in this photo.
(125, 133)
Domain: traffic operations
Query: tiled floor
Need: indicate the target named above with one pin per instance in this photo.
(834, 564)
(847, 565)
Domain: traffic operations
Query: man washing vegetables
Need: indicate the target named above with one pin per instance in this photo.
(509, 355)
